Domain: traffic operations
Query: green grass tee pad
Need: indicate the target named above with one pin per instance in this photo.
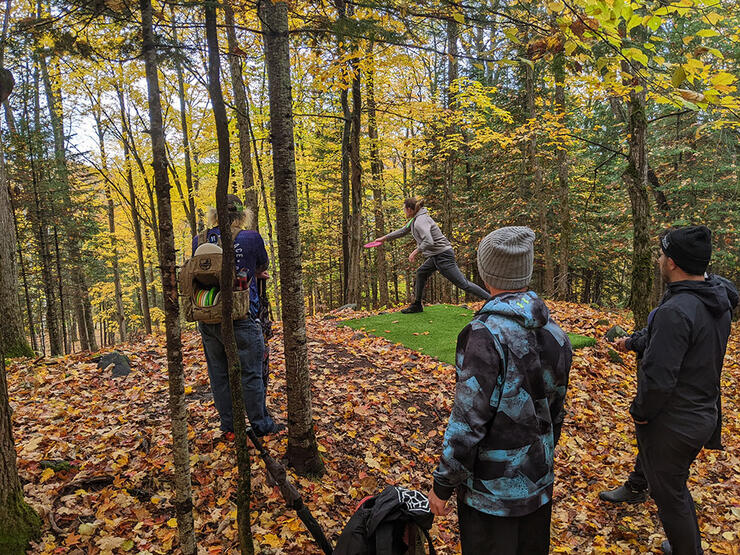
(432, 332)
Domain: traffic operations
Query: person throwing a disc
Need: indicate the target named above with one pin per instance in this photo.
(435, 248)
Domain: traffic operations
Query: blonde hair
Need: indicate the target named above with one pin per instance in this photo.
(239, 220)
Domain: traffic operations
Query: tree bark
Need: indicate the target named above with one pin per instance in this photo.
(558, 69)
(537, 186)
(241, 109)
(12, 335)
(303, 451)
(60, 285)
(243, 493)
(19, 523)
(178, 410)
(354, 284)
(376, 170)
(636, 178)
(22, 265)
(341, 6)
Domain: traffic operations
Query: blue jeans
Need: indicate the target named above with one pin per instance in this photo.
(250, 345)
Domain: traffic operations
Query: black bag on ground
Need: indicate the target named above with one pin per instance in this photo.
(394, 522)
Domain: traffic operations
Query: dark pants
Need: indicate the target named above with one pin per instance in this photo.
(484, 534)
(250, 345)
(636, 481)
(445, 263)
(665, 458)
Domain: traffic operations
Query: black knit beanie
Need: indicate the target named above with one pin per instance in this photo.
(689, 247)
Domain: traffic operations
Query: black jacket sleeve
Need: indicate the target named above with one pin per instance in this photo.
(661, 363)
(638, 341)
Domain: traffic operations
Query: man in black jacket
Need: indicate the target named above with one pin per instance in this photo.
(677, 406)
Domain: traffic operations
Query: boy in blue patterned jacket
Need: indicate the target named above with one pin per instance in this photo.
(512, 373)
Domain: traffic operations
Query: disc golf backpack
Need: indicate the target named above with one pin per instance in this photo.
(394, 522)
(200, 287)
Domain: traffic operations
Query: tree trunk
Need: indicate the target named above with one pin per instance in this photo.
(244, 485)
(19, 523)
(537, 186)
(240, 106)
(120, 318)
(60, 285)
(341, 6)
(87, 305)
(185, 134)
(346, 127)
(29, 311)
(40, 224)
(136, 223)
(558, 68)
(303, 451)
(376, 169)
(451, 158)
(636, 177)
(178, 410)
(12, 335)
(354, 284)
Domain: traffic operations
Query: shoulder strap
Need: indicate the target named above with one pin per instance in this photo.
(429, 540)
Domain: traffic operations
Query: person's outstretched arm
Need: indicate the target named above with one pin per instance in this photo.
(400, 232)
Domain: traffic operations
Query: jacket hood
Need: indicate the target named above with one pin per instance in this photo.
(422, 210)
(718, 294)
(525, 307)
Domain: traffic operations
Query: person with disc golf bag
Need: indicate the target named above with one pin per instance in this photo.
(436, 249)
(513, 363)
(251, 262)
(677, 408)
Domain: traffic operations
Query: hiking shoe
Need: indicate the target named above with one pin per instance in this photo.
(413, 308)
(666, 547)
(623, 495)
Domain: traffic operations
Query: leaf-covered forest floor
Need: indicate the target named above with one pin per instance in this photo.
(380, 412)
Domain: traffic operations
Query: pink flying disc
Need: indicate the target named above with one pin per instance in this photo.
(372, 244)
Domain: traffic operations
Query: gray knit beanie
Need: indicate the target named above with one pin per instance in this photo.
(506, 256)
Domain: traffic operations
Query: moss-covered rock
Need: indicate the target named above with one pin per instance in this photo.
(19, 524)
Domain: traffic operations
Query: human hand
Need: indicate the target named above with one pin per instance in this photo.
(264, 275)
(381, 239)
(413, 255)
(621, 344)
(438, 506)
